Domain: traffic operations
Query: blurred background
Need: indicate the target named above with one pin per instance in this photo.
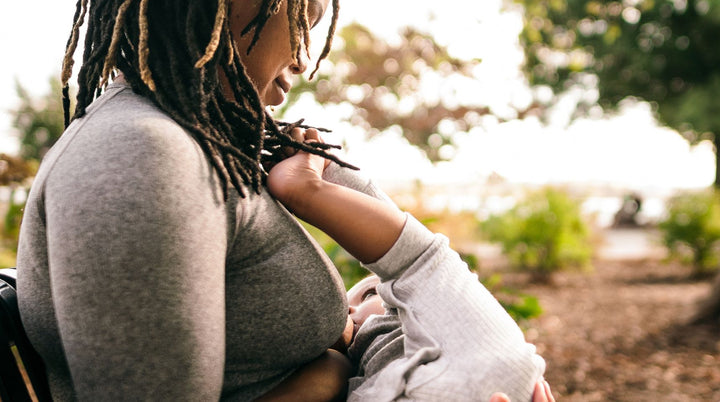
(566, 147)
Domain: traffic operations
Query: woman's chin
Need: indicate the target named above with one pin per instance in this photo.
(274, 97)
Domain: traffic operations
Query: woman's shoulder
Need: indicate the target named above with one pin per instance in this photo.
(124, 117)
(124, 126)
(125, 138)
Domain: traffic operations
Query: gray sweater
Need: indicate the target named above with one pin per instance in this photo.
(138, 282)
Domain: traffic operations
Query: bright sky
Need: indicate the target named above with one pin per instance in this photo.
(626, 150)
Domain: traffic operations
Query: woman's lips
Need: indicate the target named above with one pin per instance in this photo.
(275, 95)
(284, 85)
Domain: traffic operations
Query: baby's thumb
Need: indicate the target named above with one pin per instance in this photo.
(499, 397)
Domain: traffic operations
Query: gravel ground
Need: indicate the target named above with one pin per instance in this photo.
(621, 333)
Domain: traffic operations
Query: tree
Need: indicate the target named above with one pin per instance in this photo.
(39, 121)
(383, 83)
(662, 51)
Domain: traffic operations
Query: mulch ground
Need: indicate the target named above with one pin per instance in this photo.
(621, 333)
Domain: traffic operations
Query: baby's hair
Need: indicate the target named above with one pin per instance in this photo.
(171, 51)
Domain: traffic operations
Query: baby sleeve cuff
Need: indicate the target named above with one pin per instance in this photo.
(414, 239)
(350, 178)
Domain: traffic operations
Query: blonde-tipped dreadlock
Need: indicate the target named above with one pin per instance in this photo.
(215, 37)
(114, 42)
(173, 52)
(143, 48)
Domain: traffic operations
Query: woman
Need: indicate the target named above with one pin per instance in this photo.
(152, 263)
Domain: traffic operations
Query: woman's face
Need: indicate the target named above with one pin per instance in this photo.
(270, 64)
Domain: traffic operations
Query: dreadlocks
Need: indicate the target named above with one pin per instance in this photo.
(171, 51)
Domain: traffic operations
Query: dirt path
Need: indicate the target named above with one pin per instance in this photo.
(620, 334)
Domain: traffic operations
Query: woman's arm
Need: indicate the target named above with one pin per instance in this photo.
(137, 244)
(323, 379)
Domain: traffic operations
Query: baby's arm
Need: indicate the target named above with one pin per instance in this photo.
(369, 228)
(365, 226)
(460, 344)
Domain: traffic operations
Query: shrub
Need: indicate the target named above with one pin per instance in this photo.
(520, 306)
(543, 233)
(691, 230)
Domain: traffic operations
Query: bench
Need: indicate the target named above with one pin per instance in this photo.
(22, 372)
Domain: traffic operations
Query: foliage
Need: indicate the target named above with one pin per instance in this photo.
(543, 233)
(691, 230)
(39, 121)
(15, 174)
(15, 171)
(520, 306)
(662, 51)
(383, 83)
(10, 229)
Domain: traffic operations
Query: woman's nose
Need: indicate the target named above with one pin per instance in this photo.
(301, 64)
(351, 310)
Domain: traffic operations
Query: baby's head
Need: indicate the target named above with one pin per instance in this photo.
(364, 302)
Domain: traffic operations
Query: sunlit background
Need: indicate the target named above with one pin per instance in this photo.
(606, 155)
(617, 325)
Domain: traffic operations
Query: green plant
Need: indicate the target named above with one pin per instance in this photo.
(543, 233)
(15, 176)
(520, 306)
(691, 230)
(10, 230)
(350, 269)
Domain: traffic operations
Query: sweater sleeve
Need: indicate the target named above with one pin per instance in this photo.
(137, 270)
(460, 344)
(355, 180)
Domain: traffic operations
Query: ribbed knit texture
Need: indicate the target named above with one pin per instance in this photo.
(444, 337)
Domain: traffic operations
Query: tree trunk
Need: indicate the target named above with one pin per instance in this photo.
(716, 141)
(710, 308)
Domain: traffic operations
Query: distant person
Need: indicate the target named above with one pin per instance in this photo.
(627, 215)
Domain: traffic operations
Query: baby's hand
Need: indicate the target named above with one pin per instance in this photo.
(541, 393)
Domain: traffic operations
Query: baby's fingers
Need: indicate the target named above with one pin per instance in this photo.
(298, 135)
(542, 392)
(312, 135)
